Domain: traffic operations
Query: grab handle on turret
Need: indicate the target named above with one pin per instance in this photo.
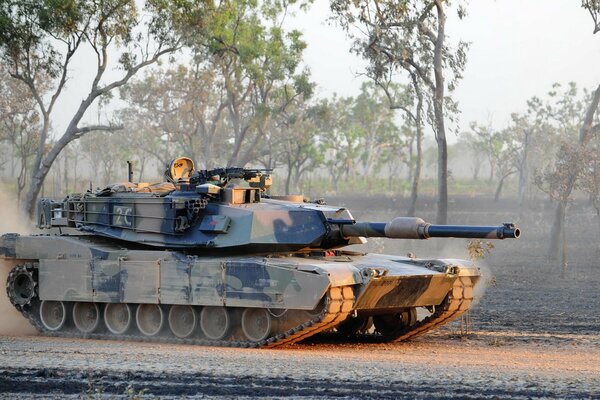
(416, 228)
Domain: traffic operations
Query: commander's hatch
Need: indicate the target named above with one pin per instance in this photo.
(180, 170)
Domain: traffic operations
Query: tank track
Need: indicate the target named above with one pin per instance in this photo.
(338, 305)
(458, 300)
(455, 304)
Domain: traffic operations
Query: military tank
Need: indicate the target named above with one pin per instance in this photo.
(207, 257)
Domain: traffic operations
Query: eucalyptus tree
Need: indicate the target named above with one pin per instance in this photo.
(39, 42)
(498, 148)
(406, 38)
(593, 7)
(589, 180)
(376, 127)
(259, 64)
(19, 125)
(297, 144)
(576, 122)
(532, 138)
(178, 109)
(340, 138)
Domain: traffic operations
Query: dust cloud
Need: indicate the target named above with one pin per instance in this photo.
(455, 248)
(12, 220)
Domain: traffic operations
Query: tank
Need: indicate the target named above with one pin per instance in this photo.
(208, 257)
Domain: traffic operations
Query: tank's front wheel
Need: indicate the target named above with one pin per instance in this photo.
(53, 314)
(215, 322)
(256, 324)
(86, 317)
(149, 318)
(392, 324)
(117, 317)
(182, 321)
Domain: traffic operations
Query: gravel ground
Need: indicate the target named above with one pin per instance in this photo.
(534, 334)
(436, 366)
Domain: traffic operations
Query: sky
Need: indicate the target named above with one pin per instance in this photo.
(519, 48)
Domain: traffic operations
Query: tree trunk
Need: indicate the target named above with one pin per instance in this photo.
(438, 108)
(557, 230)
(598, 225)
(499, 189)
(142, 166)
(563, 253)
(288, 179)
(414, 194)
(524, 171)
(66, 172)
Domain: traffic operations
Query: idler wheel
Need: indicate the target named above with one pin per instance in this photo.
(53, 314)
(149, 318)
(117, 317)
(215, 322)
(256, 324)
(86, 317)
(392, 324)
(182, 321)
(21, 285)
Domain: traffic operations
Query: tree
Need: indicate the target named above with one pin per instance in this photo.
(410, 38)
(244, 74)
(40, 40)
(340, 138)
(298, 144)
(259, 64)
(593, 7)
(589, 180)
(178, 109)
(498, 147)
(19, 125)
(559, 179)
(375, 126)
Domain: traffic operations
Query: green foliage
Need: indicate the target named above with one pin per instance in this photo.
(593, 7)
(399, 38)
(562, 116)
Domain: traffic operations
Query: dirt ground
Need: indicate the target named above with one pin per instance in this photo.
(533, 334)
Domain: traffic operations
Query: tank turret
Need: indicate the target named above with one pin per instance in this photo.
(228, 208)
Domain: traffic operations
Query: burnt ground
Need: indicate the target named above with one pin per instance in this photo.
(535, 333)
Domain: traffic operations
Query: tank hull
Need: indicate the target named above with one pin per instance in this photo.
(82, 284)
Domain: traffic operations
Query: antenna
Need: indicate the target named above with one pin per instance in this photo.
(129, 171)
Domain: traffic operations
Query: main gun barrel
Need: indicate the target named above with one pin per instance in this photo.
(416, 228)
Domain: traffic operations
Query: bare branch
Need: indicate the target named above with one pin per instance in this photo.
(91, 128)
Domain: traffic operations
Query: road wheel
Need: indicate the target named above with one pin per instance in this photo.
(215, 322)
(353, 325)
(182, 320)
(256, 324)
(117, 317)
(53, 314)
(86, 317)
(149, 318)
(392, 324)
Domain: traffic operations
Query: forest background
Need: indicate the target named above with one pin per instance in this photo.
(226, 83)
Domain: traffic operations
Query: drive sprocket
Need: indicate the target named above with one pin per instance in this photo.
(21, 285)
